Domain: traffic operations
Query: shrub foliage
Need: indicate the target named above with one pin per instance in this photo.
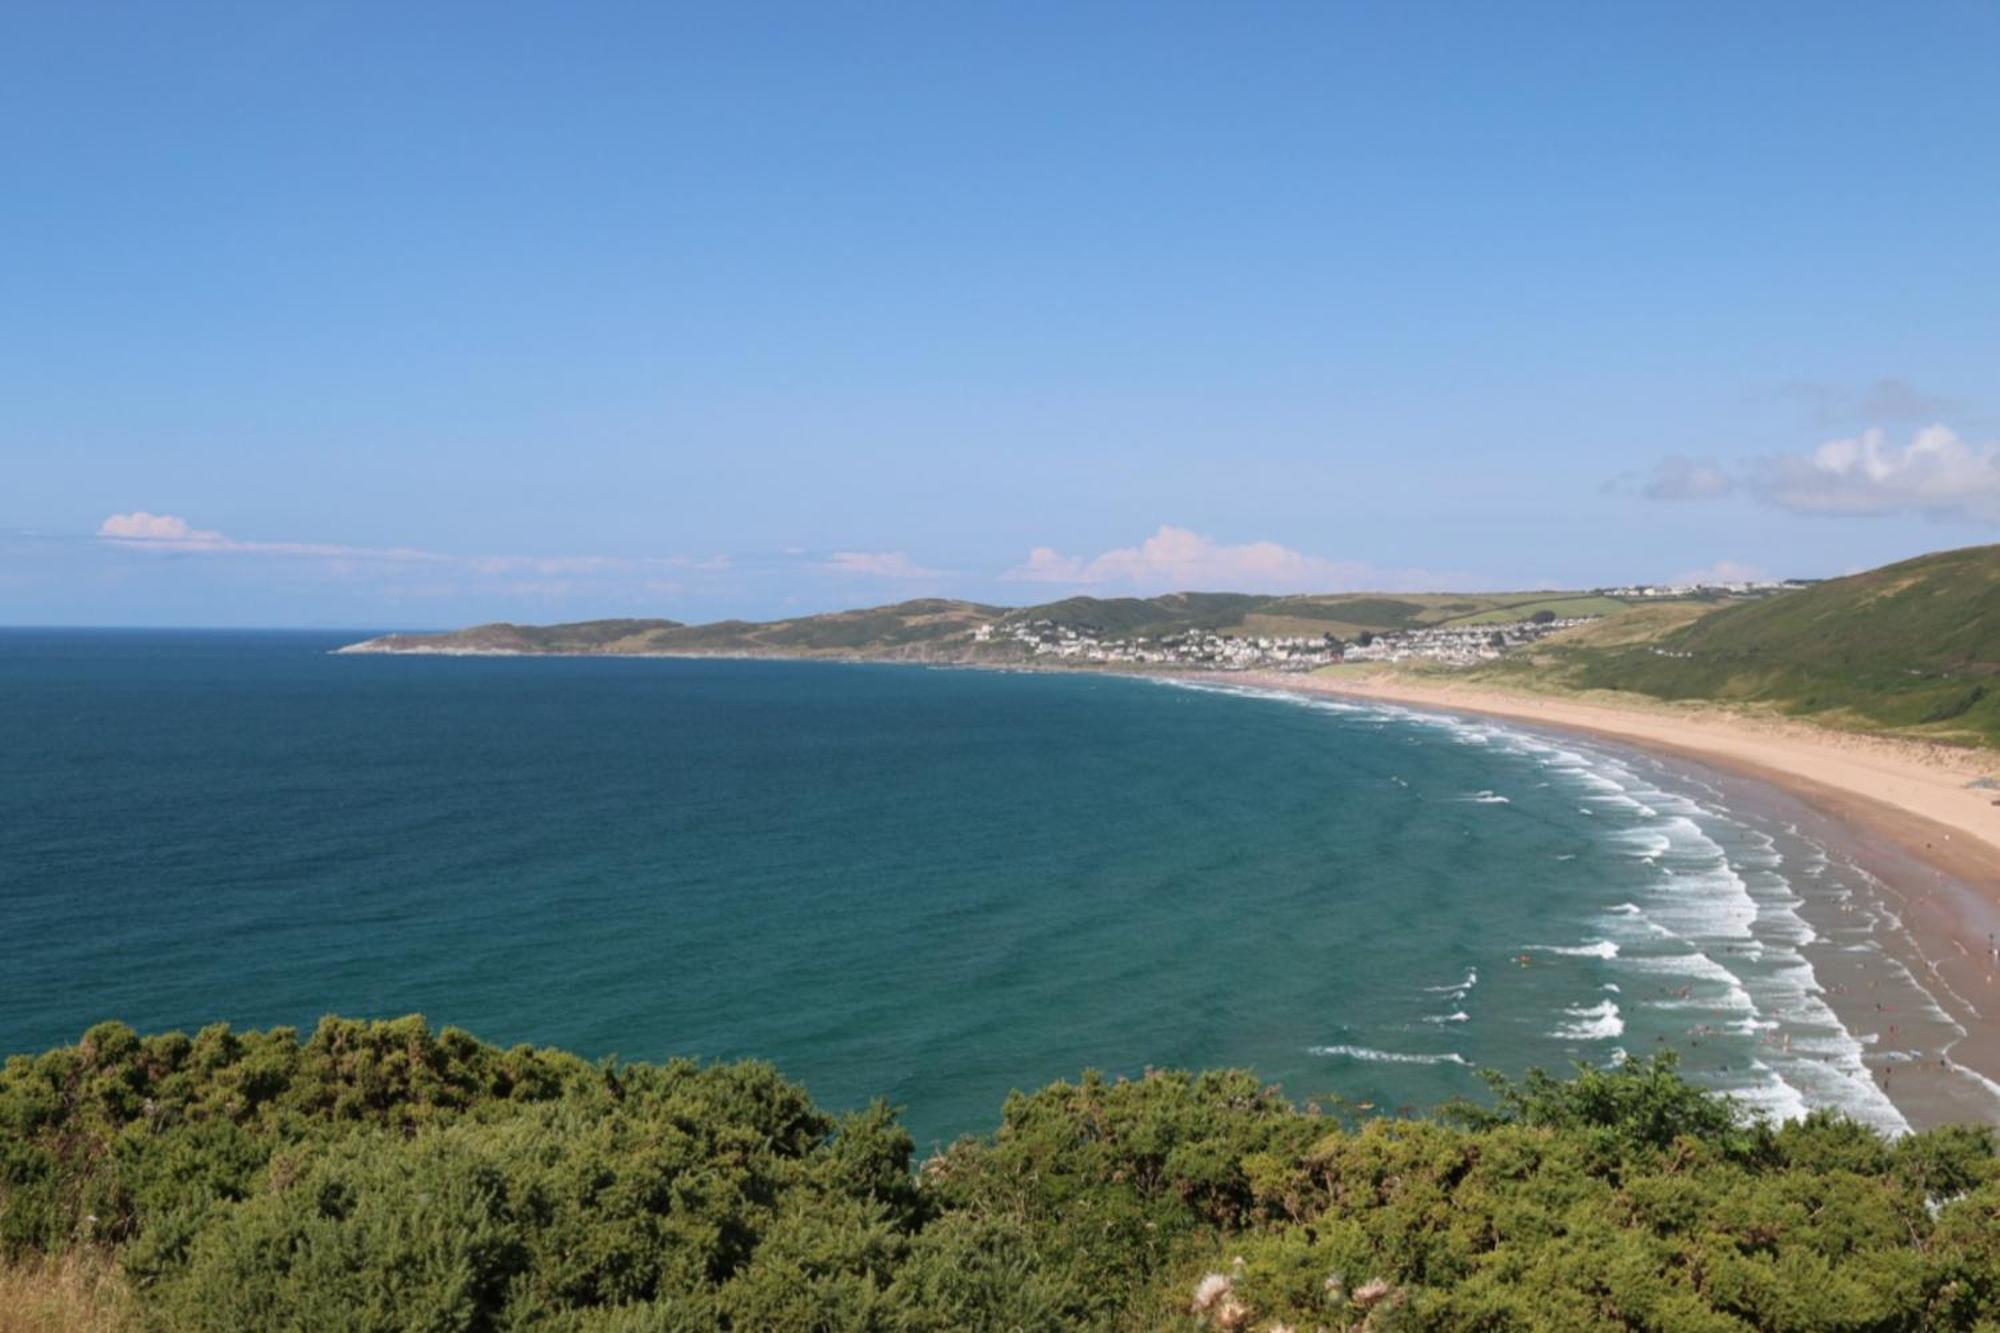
(383, 1176)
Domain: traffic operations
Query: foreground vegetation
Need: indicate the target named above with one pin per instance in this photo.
(382, 1176)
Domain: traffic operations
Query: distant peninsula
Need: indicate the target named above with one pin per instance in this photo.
(1911, 649)
(1187, 629)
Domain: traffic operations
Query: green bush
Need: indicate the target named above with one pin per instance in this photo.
(382, 1176)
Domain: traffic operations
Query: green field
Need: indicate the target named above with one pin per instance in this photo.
(1562, 606)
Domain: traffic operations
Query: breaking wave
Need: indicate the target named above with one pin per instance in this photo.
(1592, 1022)
(1594, 949)
(1391, 1057)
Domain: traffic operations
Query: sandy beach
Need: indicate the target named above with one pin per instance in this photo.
(1906, 811)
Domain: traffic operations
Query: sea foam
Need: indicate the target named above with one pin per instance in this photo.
(1594, 949)
(1592, 1022)
(1391, 1057)
(1702, 924)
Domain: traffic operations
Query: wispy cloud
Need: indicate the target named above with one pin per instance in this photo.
(1172, 558)
(171, 532)
(1888, 399)
(141, 530)
(1724, 571)
(1682, 478)
(557, 565)
(1178, 559)
(876, 564)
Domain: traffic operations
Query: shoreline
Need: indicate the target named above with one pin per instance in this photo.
(1901, 812)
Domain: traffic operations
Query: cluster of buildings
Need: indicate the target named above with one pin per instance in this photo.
(1448, 645)
(1669, 591)
(1456, 645)
(1208, 650)
(1202, 649)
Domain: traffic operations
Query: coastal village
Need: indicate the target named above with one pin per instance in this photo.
(1453, 645)
(1657, 592)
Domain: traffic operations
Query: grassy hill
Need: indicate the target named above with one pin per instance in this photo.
(1912, 647)
(1127, 617)
(585, 636)
(905, 629)
(382, 1176)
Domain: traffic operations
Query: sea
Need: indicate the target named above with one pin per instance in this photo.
(933, 886)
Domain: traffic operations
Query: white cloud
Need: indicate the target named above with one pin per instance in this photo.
(1936, 473)
(1177, 559)
(140, 526)
(877, 564)
(1724, 571)
(170, 532)
(1683, 478)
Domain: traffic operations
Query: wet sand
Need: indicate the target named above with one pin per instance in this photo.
(1901, 812)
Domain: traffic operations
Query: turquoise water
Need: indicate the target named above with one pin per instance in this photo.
(930, 885)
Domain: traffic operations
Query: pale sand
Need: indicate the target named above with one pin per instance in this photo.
(1906, 807)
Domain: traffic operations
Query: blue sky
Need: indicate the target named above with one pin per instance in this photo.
(411, 315)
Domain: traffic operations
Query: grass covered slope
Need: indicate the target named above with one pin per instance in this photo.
(1911, 649)
(905, 629)
(382, 1176)
(582, 636)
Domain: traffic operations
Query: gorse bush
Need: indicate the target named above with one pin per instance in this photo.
(382, 1176)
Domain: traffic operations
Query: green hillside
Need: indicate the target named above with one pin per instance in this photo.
(1911, 647)
(905, 629)
(383, 1177)
(939, 629)
(1130, 616)
(582, 636)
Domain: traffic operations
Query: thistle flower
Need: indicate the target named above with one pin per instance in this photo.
(1208, 1291)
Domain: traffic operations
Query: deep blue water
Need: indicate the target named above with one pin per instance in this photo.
(931, 885)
